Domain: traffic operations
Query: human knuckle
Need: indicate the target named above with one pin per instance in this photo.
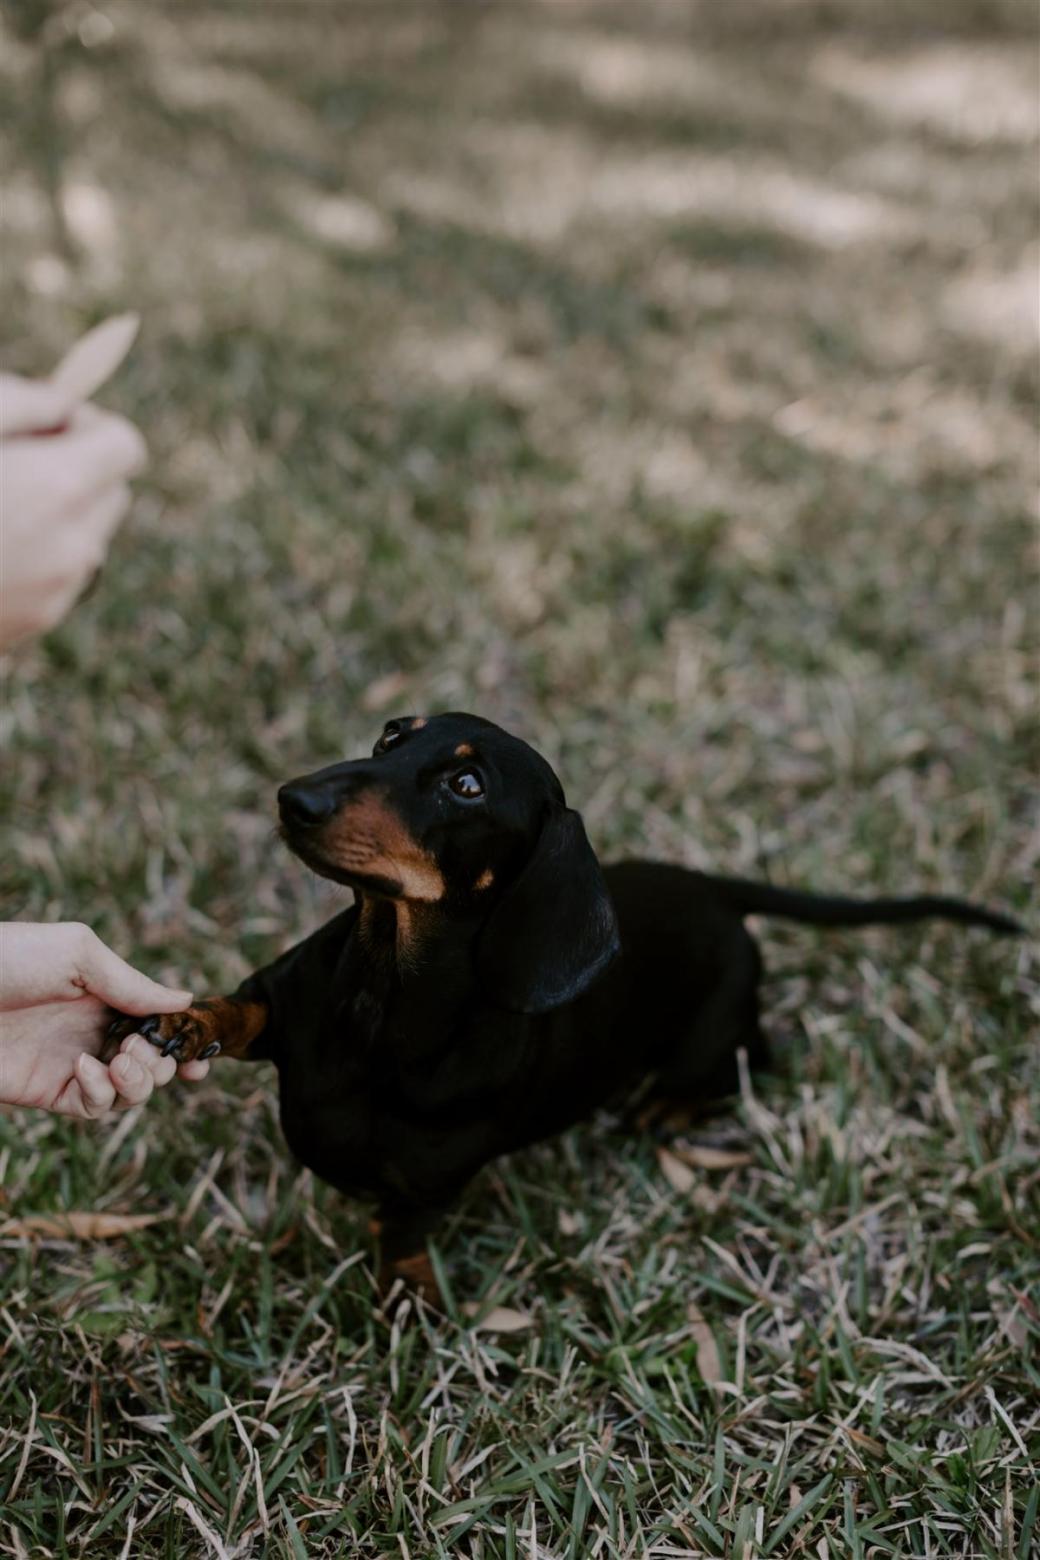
(126, 444)
(81, 935)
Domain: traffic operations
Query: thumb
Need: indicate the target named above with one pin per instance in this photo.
(109, 977)
(31, 405)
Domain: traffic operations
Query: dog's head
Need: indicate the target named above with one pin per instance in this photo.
(454, 813)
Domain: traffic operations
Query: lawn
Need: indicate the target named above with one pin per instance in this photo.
(660, 381)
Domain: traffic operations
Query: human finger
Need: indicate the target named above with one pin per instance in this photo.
(90, 1093)
(31, 405)
(133, 1082)
(162, 1068)
(102, 517)
(94, 358)
(80, 558)
(106, 975)
(97, 449)
(193, 1072)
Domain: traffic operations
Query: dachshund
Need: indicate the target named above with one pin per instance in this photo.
(491, 984)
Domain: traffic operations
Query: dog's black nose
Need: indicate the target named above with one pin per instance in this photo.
(305, 805)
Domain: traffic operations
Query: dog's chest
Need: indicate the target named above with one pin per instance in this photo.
(340, 1096)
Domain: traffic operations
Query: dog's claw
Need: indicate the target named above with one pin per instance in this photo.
(211, 1050)
(173, 1034)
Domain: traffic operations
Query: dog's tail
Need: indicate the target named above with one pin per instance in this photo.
(750, 898)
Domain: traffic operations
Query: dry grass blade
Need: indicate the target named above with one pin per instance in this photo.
(80, 1224)
(701, 1156)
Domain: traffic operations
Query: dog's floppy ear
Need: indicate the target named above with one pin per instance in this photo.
(554, 930)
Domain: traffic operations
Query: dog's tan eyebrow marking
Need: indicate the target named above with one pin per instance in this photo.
(485, 880)
(418, 723)
(464, 750)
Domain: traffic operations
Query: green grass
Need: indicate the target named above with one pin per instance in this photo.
(652, 399)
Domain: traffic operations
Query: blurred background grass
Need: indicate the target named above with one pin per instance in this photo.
(659, 381)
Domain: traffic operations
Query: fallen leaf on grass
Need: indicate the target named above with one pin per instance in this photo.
(81, 1225)
(679, 1176)
(499, 1319)
(867, 1442)
(709, 1366)
(702, 1157)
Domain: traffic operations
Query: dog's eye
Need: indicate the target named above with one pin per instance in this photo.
(467, 784)
(391, 734)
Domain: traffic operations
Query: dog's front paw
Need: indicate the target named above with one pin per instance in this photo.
(186, 1036)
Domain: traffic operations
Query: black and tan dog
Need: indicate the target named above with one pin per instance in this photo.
(492, 983)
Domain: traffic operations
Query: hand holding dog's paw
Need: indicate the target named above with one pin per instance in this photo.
(186, 1036)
